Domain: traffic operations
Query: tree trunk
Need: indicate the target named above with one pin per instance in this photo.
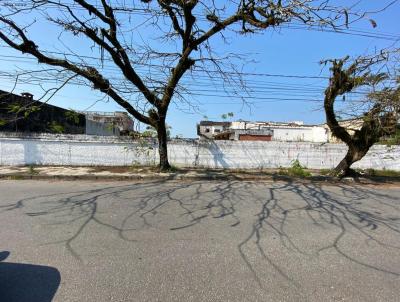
(162, 146)
(354, 154)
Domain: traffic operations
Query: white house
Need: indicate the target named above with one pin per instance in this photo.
(266, 131)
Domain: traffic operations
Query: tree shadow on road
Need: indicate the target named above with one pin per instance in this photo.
(350, 210)
(255, 212)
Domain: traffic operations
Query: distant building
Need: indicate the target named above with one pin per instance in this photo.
(208, 129)
(263, 131)
(21, 113)
(245, 135)
(108, 123)
(351, 125)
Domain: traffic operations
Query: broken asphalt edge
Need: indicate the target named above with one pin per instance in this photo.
(199, 177)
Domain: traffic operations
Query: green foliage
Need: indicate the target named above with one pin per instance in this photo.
(393, 139)
(2, 122)
(382, 173)
(72, 116)
(282, 171)
(110, 127)
(173, 169)
(14, 108)
(30, 110)
(33, 108)
(56, 128)
(32, 170)
(16, 177)
(227, 115)
(296, 170)
(325, 172)
(144, 148)
(17, 108)
(151, 132)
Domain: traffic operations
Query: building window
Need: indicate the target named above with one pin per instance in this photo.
(207, 130)
(217, 130)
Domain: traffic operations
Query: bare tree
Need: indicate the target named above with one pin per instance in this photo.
(184, 29)
(380, 104)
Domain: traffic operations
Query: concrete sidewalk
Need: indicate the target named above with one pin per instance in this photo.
(151, 173)
(126, 173)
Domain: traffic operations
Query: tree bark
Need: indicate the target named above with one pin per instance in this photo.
(354, 154)
(162, 145)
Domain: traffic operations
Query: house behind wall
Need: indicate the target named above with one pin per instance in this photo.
(207, 129)
(108, 123)
(351, 125)
(263, 131)
(21, 113)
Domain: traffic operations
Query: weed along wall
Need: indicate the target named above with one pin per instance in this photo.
(75, 150)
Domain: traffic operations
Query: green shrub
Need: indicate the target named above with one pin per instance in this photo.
(325, 171)
(382, 173)
(173, 169)
(282, 171)
(56, 128)
(32, 170)
(298, 170)
(72, 116)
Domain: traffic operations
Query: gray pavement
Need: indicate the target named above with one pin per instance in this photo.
(198, 241)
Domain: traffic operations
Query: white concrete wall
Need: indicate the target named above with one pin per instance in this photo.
(300, 134)
(292, 134)
(320, 135)
(86, 150)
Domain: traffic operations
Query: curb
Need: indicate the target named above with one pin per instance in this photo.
(209, 177)
(131, 177)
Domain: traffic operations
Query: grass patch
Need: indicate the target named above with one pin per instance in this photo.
(172, 169)
(324, 172)
(16, 177)
(295, 170)
(32, 170)
(298, 170)
(382, 173)
(393, 139)
(282, 171)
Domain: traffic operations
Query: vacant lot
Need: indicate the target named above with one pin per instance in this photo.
(198, 241)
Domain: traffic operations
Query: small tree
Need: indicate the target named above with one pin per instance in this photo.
(184, 29)
(151, 132)
(225, 116)
(382, 103)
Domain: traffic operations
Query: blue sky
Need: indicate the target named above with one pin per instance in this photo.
(286, 51)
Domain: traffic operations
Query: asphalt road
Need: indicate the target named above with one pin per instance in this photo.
(198, 241)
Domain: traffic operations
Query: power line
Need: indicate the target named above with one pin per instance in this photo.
(290, 25)
(246, 98)
(163, 66)
(271, 88)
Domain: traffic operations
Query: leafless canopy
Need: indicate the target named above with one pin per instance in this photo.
(150, 45)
